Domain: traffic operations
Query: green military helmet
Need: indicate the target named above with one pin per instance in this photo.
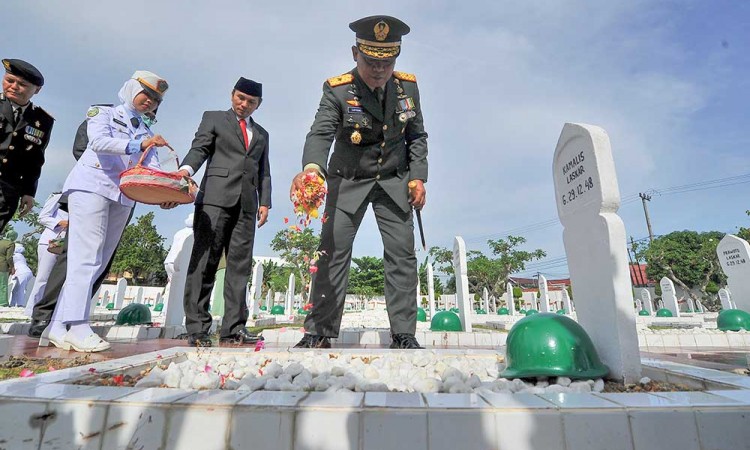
(277, 310)
(110, 306)
(302, 311)
(531, 311)
(522, 311)
(454, 310)
(643, 312)
(134, 314)
(446, 321)
(159, 307)
(421, 315)
(480, 311)
(264, 308)
(664, 312)
(551, 345)
(733, 320)
(503, 311)
(560, 311)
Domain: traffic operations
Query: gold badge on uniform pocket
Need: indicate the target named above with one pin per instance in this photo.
(356, 137)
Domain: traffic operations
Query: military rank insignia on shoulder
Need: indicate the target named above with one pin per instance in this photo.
(341, 79)
(403, 76)
(93, 111)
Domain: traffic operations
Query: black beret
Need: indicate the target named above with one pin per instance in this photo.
(379, 36)
(249, 87)
(24, 70)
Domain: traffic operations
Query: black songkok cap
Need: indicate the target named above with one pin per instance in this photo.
(249, 87)
(24, 70)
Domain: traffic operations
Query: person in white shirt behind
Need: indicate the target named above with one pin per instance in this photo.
(20, 278)
(55, 222)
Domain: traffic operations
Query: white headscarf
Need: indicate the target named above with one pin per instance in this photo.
(128, 92)
(189, 221)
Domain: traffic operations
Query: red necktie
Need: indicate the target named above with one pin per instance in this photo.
(243, 125)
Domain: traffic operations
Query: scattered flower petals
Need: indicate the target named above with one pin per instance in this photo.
(118, 379)
(25, 373)
(260, 345)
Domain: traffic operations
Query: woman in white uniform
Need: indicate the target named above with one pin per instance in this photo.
(20, 278)
(98, 211)
(55, 222)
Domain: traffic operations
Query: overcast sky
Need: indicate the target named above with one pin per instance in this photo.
(667, 80)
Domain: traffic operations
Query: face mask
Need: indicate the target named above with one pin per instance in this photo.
(148, 120)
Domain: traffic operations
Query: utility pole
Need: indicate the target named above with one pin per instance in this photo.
(639, 277)
(645, 198)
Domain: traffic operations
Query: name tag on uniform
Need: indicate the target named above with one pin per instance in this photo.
(354, 109)
(120, 122)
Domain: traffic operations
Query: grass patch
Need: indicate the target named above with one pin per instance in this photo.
(15, 364)
(485, 327)
(256, 330)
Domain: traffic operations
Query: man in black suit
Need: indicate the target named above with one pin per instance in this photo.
(235, 190)
(24, 134)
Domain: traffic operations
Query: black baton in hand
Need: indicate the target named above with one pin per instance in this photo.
(412, 185)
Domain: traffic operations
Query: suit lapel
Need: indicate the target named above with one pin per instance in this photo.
(367, 99)
(234, 124)
(254, 139)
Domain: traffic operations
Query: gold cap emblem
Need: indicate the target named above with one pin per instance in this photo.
(381, 31)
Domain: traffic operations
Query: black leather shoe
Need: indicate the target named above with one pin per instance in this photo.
(37, 328)
(199, 340)
(405, 341)
(313, 341)
(241, 337)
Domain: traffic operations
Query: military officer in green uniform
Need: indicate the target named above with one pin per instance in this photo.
(24, 134)
(374, 116)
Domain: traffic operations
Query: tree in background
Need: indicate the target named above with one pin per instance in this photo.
(689, 259)
(299, 248)
(485, 271)
(367, 277)
(744, 233)
(141, 252)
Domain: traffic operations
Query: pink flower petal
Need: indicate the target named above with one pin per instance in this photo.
(25, 373)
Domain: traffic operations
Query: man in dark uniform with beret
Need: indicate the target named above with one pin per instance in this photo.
(235, 190)
(374, 115)
(24, 134)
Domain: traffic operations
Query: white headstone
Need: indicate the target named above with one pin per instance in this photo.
(122, 286)
(638, 305)
(463, 297)
(419, 292)
(588, 198)
(269, 303)
(647, 303)
(139, 295)
(690, 304)
(509, 300)
(725, 299)
(734, 256)
(158, 299)
(290, 295)
(174, 310)
(95, 300)
(669, 296)
(431, 289)
(567, 305)
(486, 300)
(543, 294)
(105, 298)
(700, 307)
(255, 288)
(493, 305)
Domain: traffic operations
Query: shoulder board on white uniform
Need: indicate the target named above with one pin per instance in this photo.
(94, 110)
(345, 78)
(36, 107)
(403, 76)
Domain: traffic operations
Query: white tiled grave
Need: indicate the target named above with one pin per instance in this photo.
(49, 411)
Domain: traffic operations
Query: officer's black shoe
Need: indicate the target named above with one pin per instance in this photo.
(405, 341)
(37, 328)
(241, 337)
(199, 340)
(313, 341)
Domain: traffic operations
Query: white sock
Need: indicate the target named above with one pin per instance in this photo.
(81, 330)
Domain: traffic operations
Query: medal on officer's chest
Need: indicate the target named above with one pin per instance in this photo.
(356, 137)
(407, 107)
